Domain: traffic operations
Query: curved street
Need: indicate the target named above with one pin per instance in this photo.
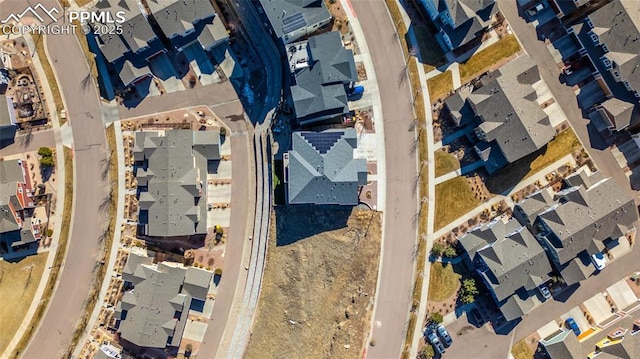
(398, 252)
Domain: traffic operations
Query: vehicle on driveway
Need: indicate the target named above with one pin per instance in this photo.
(476, 317)
(355, 93)
(437, 344)
(599, 261)
(544, 290)
(444, 334)
(571, 324)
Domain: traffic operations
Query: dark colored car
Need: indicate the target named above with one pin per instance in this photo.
(444, 334)
(437, 344)
(477, 317)
(573, 326)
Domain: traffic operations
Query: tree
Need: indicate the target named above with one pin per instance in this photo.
(437, 249)
(426, 352)
(47, 162)
(223, 131)
(468, 291)
(450, 252)
(45, 152)
(436, 318)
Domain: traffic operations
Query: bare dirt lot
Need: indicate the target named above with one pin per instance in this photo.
(319, 284)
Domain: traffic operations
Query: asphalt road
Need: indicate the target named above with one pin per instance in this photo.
(396, 273)
(83, 111)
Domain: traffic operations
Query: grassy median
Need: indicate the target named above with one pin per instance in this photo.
(38, 40)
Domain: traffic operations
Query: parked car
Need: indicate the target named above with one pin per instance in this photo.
(437, 344)
(599, 261)
(355, 93)
(444, 334)
(477, 317)
(544, 290)
(567, 70)
(536, 9)
(571, 324)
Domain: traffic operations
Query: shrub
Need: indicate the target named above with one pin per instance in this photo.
(426, 352)
(47, 162)
(436, 318)
(45, 152)
(437, 249)
(49, 232)
(223, 131)
(450, 252)
(218, 271)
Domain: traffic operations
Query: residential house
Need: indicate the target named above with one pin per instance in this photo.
(610, 38)
(320, 168)
(586, 218)
(154, 312)
(321, 78)
(7, 119)
(460, 22)
(183, 21)
(617, 345)
(18, 230)
(508, 119)
(534, 204)
(292, 19)
(511, 263)
(563, 345)
(171, 170)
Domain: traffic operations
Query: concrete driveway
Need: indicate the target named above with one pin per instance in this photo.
(578, 317)
(599, 308)
(622, 295)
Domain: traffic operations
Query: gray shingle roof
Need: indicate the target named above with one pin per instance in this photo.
(177, 17)
(322, 169)
(513, 262)
(509, 114)
(620, 114)
(152, 305)
(176, 177)
(468, 17)
(6, 118)
(112, 47)
(618, 26)
(136, 31)
(583, 218)
(485, 235)
(515, 307)
(564, 345)
(527, 210)
(213, 34)
(319, 90)
(287, 16)
(10, 175)
(130, 74)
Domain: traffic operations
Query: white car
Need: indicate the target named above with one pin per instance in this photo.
(599, 261)
(545, 291)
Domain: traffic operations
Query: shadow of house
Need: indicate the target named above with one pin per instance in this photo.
(294, 223)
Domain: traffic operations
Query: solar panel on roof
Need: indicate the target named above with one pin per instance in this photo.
(293, 22)
(322, 141)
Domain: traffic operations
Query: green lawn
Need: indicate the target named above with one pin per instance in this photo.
(563, 144)
(445, 163)
(439, 86)
(454, 198)
(493, 54)
(430, 51)
(18, 284)
(443, 282)
(520, 350)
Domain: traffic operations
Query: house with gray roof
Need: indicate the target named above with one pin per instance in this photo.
(509, 122)
(534, 204)
(171, 170)
(131, 75)
(320, 83)
(610, 37)
(320, 168)
(7, 119)
(292, 19)
(153, 314)
(18, 232)
(460, 22)
(563, 345)
(583, 220)
(511, 263)
(183, 21)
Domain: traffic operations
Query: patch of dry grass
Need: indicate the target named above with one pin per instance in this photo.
(454, 198)
(483, 60)
(521, 350)
(445, 163)
(38, 40)
(443, 282)
(18, 284)
(319, 284)
(440, 85)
